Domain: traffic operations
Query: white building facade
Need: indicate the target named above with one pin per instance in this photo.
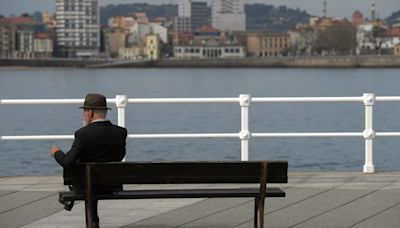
(78, 29)
(24, 41)
(43, 47)
(211, 49)
(185, 8)
(183, 23)
(228, 15)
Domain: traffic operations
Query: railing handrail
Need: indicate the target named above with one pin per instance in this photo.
(205, 100)
(245, 134)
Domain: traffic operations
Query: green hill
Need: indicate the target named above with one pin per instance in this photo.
(259, 16)
(152, 11)
(270, 18)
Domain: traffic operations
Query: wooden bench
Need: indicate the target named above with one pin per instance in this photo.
(116, 173)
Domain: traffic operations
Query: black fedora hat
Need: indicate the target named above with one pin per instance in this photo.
(95, 101)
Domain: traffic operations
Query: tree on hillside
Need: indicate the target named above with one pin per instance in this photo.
(394, 18)
(152, 11)
(337, 39)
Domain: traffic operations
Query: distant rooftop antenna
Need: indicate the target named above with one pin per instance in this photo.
(324, 13)
(373, 10)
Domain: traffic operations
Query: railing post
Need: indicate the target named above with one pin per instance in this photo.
(121, 101)
(244, 134)
(369, 133)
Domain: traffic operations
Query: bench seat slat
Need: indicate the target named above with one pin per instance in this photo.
(177, 172)
(178, 193)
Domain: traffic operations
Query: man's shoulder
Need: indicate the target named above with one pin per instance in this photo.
(94, 126)
(82, 129)
(122, 129)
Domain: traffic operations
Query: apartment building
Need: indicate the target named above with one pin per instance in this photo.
(228, 15)
(153, 47)
(397, 49)
(7, 39)
(78, 30)
(263, 44)
(114, 40)
(191, 16)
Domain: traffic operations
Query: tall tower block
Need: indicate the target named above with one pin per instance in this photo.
(373, 10)
(325, 11)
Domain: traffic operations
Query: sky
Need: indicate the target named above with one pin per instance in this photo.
(336, 8)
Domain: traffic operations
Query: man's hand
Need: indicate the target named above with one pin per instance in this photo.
(53, 150)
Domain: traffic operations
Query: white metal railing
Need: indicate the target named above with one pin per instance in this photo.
(244, 100)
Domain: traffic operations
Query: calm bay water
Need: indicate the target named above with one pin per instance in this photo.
(303, 154)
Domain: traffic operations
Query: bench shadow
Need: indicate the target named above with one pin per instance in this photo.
(168, 226)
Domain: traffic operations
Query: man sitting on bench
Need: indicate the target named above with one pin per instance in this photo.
(98, 141)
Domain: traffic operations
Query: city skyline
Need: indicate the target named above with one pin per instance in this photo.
(335, 8)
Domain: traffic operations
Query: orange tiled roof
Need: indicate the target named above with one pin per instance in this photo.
(393, 32)
(21, 20)
(43, 35)
(207, 29)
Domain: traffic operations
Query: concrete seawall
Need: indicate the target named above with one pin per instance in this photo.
(78, 63)
(284, 62)
(303, 62)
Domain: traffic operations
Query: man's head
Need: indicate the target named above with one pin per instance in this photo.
(94, 107)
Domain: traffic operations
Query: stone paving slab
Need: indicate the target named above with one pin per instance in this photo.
(17, 199)
(386, 218)
(309, 207)
(356, 211)
(31, 183)
(3, 193)
(231, 212)
(191, 213)
(116, 213)
(31, 212)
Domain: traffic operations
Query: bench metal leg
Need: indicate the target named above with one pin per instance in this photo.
(256, 201)
(261, 212)
(89, 214)
(89, 198)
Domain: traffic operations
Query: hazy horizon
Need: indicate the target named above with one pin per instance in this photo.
(336, 8)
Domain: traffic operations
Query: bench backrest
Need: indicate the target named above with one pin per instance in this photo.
(112, 173)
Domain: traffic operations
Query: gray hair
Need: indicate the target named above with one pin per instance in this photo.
(101, 112)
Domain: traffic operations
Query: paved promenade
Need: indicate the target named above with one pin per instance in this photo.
(313, 200)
